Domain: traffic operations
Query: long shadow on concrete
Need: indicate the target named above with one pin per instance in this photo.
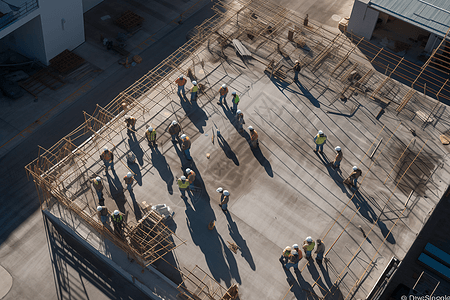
(227, 149)
(136, 207)
(239, 240)
(308, 95)
(335, 174)
(296, 288)
(116, 190)
(262, 160)
(364, 208)
(137, 172)
(325, 273)
(136, 148)
(68, 256)
(195, 114)
(163, 168)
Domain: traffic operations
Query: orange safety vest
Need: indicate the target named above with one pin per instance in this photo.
(128, 180)
(181, 82)
(223, 91)
(186, 144)
(254, 135)
(131, 121)
(107, 155)
(191, 176)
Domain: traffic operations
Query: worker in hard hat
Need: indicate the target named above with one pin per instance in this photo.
(223, 91)
(130, 122)
(181, 81)
(194, 90)
(150, 134)
(240, 120)
(352, 179)
(98, 186)
(235, 101)
(191, 177)
(183, 185)
(320, 250)
(225, 197)
(174, 130)
(129, 181)
(320, 139)
(186, 146)
(292, 260)
(297, 67)
(308, 246)
(284, 255)
(102, 213)
(337, 160)
(253, 137)
(117, 220)
(108, 158)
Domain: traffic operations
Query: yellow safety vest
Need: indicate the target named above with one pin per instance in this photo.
(310, 247)
(151, 135)
(194, 89)
(320, 139)
(183, 185)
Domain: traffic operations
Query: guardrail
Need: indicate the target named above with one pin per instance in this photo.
(17, 12)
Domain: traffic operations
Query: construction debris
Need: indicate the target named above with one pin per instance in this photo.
(445, 139)
(241, 48)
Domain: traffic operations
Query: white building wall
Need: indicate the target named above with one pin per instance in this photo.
(363, 19)
(62, 25)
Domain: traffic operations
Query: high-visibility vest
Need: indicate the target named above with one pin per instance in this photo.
(254, 135)
(309, 247)
(286, 253)
(223, 91)
(320, 139)
(186, 144)
(117, 219)
(128, 180)
(236, 99)
(151, 135)
(98, 185)
(191, 177)
(183, 184)
(180, 81)
(194, 89)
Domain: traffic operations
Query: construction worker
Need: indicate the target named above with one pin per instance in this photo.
(284, 255)
(183, 185)
(240, 120)
(130, 122)
(174, 130)
(181, 81)
(191, 177)
(194, 90)
(337, 160)
(235, 101)
(98, 186)
(297, 67)
(129, 181)
(186, 146)
(305, 21)
(353, 177)
(320, 139)
(293, 260)
(224, 200)
(253, 137)
(320, 250)
(223, 91)
(108, 158)
(102, 213)
(308, 246)
(117, 220)
(295, 247)
(150, 134)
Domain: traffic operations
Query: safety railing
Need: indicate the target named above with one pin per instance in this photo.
(17, 13)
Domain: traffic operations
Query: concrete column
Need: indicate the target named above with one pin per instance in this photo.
(363, 19)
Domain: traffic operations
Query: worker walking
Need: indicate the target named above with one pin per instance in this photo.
(150, 134)
(224, 200)
(284, 255)
(297, 67)
(235, 101)
(117, 220)
(174, 130)
(130, 122)
(223, 91)
(186, 146)
(108, 158)
(337, 160)
(183, 185)
(181, 81)
(102, 213)
(293, 260)
(253, 137)
(98, 186)
(191, 177)
(320, 250)
(320, 139)
(129, 181)
(308, 246)
(240, 120)
(352, 179)
(194, 90)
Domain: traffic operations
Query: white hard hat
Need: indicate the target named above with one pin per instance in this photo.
(337, 148)
(320, 132)
(294, 252)
(181, 76)
(355, 168)
(238, 111)
(105, 148)
(309, 239)
(174, 122)
(127, 117)
(224, 86)
(188, 171)
(116, 212)
(99, 208)
(150, 128)
(233, 93)
(219, 190)
(194, 82)
(183, 136)
(226, 193)
(183, 177)
(250, 128)
(129, 174)
(296, 61)
(98, 178)
(295, 246)
(288, 248)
